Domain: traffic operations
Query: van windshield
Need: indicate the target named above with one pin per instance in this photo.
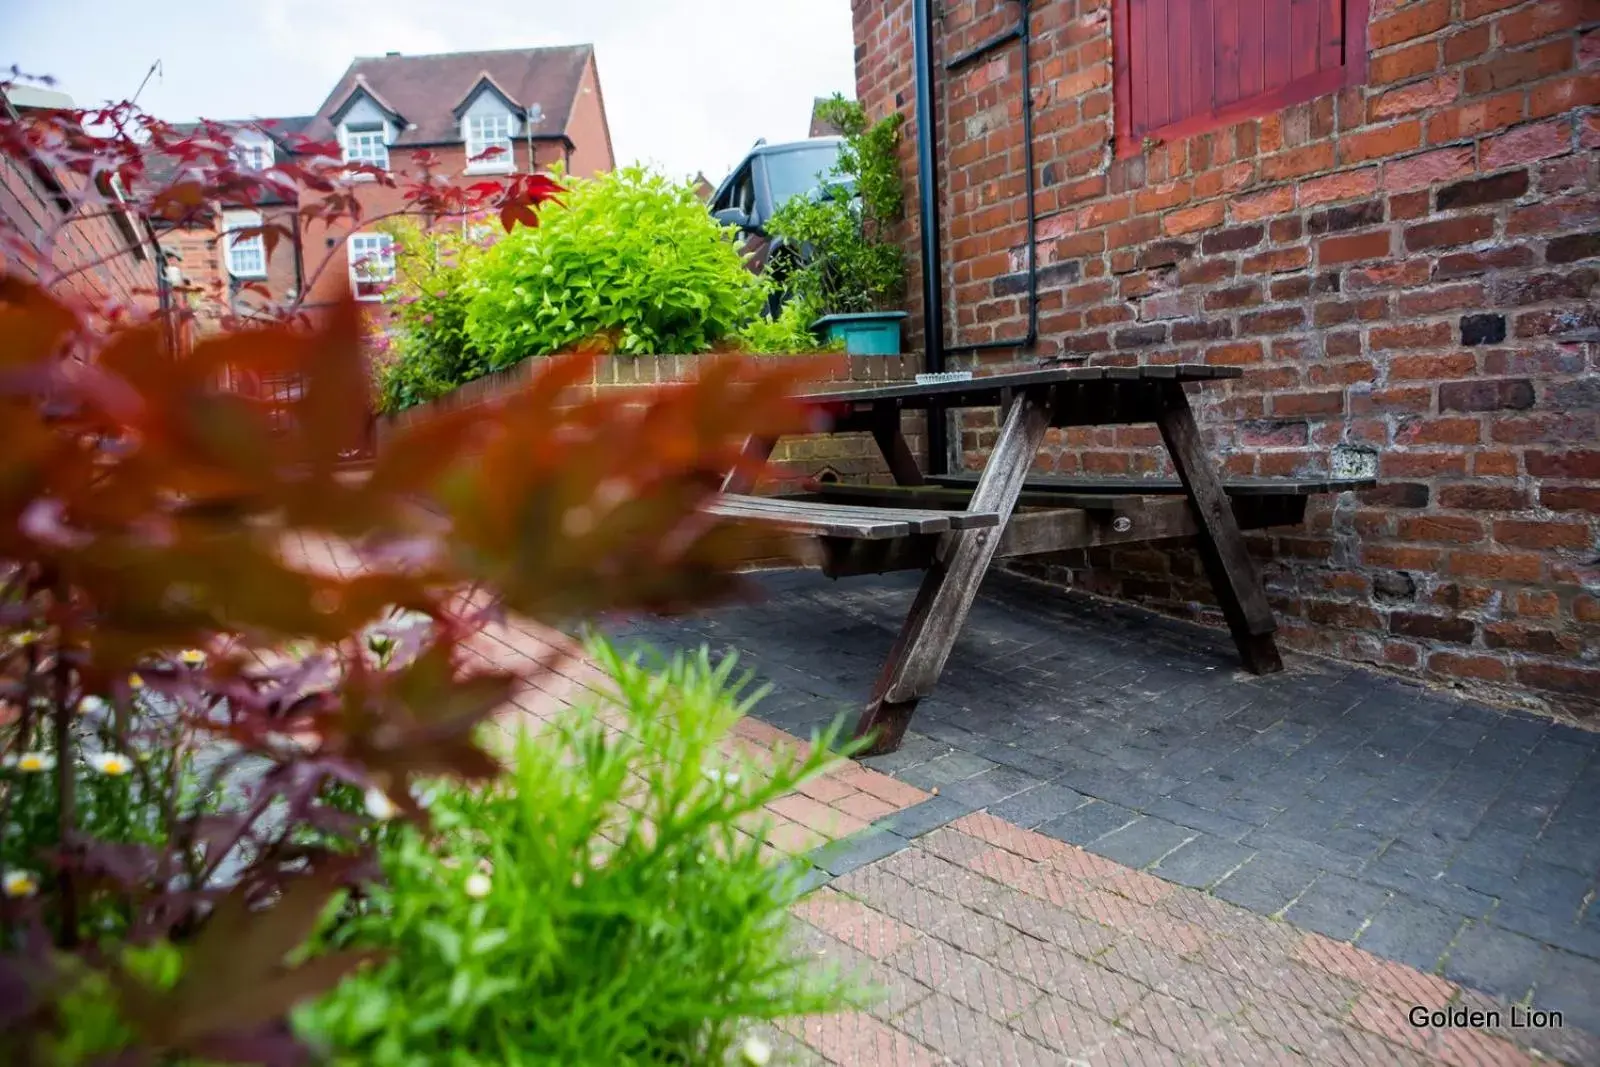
(800, 170)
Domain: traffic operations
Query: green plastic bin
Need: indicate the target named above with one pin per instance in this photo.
(873, 333)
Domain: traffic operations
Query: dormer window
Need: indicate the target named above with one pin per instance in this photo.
(366, 142)
(253, 152)
(485, 133)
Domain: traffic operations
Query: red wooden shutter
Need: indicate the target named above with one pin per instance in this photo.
(1183, 66)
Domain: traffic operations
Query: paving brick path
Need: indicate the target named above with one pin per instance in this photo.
(1453, 837)
(991, 945)
(987, 944)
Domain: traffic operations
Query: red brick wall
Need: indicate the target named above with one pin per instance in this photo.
(96, 254)
(590, 133)
(1406, 270)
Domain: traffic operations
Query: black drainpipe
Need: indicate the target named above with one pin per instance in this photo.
(927, 188)
(928, 216)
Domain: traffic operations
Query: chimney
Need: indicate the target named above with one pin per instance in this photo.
(391, 53)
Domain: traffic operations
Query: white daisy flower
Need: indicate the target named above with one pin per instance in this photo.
(93, 705)
(721, 777)
(32, 762)
(756, 1052)
(378, 804)
(192, 657)
(477, 886)
(135, 681)
(111, 764)
(17, 884)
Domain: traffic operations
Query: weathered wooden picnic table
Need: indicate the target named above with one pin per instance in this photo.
(953, 527)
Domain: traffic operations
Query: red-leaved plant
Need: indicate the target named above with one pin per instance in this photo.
(188, 706)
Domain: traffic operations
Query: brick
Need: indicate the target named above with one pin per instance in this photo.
(1348, 217)
(1378, 143)
(1442, 298)
(1262, 205)
(1353, 248)
(1277, 320)
(1199, 217)
(1554, 215)
(1466, 44)
(1463, 665)
(1570, 498)
(1507, 186)
(1548, 534)
(1441, 529)
(1476, 117)
(1235, 297)
(1507, 69)
(1232, 240)
(1478, 497)
(1427, 168)
(1418, 96)
(1565, 324)
(1543, 19)
(1164, 254)
(1343, 186)
(1578, 681)
(1276, 261)
(1411, 335)
(1415, 20)
(1462, 230)
(1432, 368)
(1521, 289)
(1298, 162)
(1466, 264)
(1526, 145)
(1324, 403)
(1483, 329)
(1487, 395)
(1403, 64)
(1497, 566)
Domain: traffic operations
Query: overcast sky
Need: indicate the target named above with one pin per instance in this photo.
(689, 84)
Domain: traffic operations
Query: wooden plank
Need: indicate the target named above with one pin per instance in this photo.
(891, 441)
(1263, 487)
(1203, 54)
(1304, 19)
(1222, 548)
(951, 583)
(1226, 21)
(1180, 72)
(1033, 533)
(985, 391)
(1127, 143)
(1252, 48)
(1277, 58)
(953, 497)
(860, 528)
(1330, 34)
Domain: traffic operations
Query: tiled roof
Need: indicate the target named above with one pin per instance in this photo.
(424, 91)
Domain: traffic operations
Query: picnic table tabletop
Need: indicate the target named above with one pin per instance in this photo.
(987, 390)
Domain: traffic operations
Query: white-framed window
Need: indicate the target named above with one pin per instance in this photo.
(371, 264)
(485, 132)
(246, 256)
(366, 142)
(253, 153)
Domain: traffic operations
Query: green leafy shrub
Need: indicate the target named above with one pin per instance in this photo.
(853, 263)
(598, 906)
(629, 256)
(788, 334)
(429, 349)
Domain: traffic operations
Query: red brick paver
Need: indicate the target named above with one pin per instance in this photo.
(1023, 949)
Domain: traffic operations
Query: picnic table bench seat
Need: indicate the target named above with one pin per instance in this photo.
(850, 521)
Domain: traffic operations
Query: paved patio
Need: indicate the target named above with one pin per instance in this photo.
(1434, 832)
(989, 944)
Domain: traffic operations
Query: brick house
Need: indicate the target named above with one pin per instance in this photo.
(1388, 216)
(476, 113)
(107, 256)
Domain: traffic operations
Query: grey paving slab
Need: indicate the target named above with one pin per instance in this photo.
(1347, 801)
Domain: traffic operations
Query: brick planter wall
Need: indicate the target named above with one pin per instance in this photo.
(1406, 269)
(848, 457)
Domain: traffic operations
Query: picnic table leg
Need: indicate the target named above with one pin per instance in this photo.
(891, 440)
(742, 479)
(1233, 575)
(951, 584)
